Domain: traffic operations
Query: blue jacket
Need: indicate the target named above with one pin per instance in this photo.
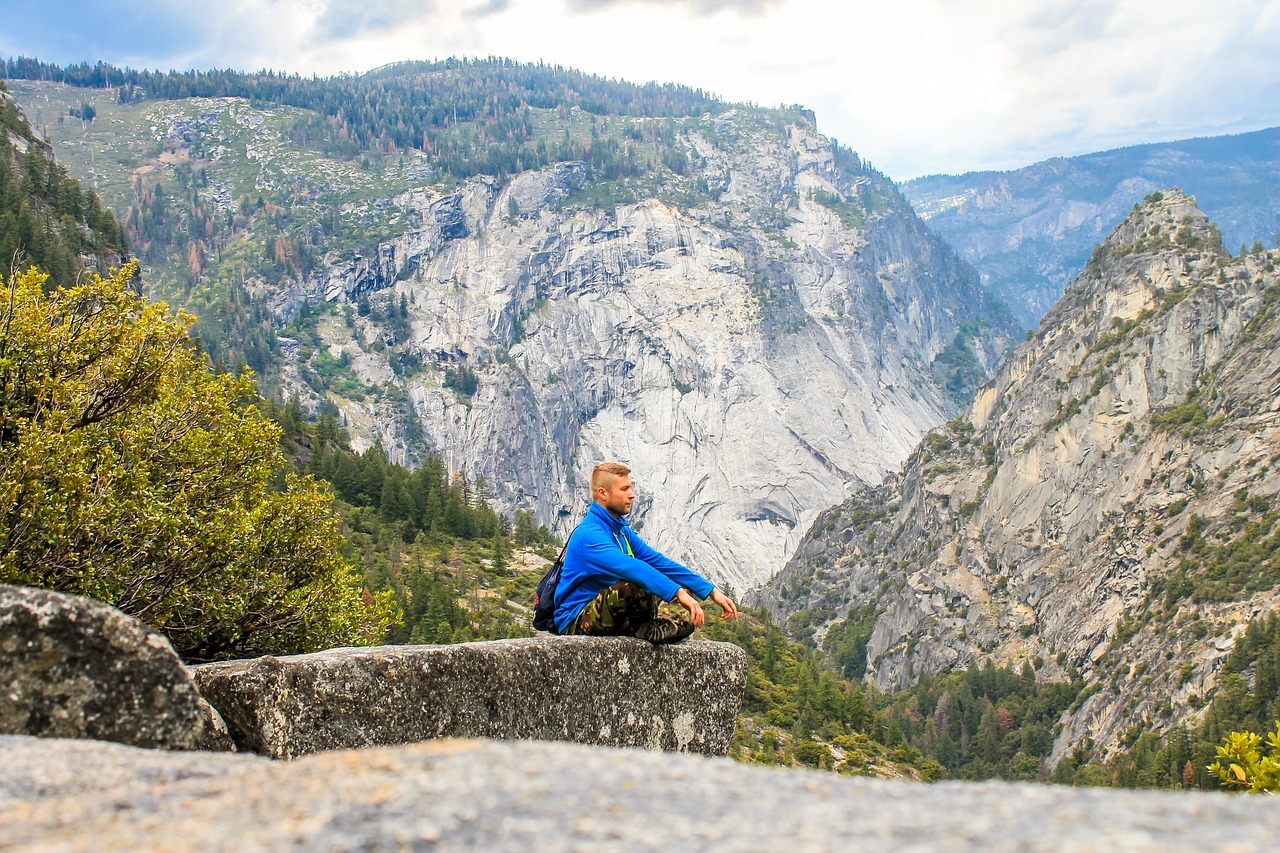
(596, 558)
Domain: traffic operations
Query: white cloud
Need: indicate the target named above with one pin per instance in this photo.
(915, 85)
(691, 7)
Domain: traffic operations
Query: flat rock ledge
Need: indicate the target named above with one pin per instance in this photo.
(74, 667)
(610, 691)
(450, 795)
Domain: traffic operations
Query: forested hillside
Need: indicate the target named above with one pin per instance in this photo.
(1105, 511)
(46, 217)
(472, 116)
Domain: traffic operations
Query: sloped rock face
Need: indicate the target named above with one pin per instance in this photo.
(594, 690)
(752, 318)
(72, 667)
(1075, 511)
(469, 795)
(752, 357)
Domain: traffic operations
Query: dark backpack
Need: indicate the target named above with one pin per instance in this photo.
(544, 600)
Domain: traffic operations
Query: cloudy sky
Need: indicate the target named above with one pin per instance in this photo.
(916, 86)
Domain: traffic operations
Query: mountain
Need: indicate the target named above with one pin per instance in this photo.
(1029, 231)
(46, 217)
(528, 270)
(1105, 509)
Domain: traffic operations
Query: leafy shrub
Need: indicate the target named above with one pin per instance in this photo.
(1242, 766)
(131, 473)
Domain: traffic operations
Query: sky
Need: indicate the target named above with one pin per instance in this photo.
(915, 86)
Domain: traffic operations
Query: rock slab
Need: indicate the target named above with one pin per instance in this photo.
(72, 667)
(487, 795)
(611, 691)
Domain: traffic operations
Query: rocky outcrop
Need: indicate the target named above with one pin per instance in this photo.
(1029, 231)
(483, 795)
(611, 691)
(752, 358)
(738, 308)
(1070, 518)
(72, 667)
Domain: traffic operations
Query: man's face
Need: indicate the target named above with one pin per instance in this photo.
(618, 497)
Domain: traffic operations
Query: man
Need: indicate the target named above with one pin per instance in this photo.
(612, 582)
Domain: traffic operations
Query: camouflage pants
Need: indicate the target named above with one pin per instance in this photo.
(616, 612)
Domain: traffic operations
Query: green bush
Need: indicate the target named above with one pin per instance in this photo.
(133, 474)
(1242, 766)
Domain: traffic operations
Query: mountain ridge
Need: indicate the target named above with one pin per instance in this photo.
(694, 287)
(1056, 522)
(1029, 230)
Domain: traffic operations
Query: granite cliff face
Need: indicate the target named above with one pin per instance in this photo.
(751, 358)
(1088, 510)
(752, 319)
(1030, 230)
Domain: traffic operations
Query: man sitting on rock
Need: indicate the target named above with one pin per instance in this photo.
(612, 582)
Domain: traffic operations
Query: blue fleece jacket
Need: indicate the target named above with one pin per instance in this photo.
(596, 557)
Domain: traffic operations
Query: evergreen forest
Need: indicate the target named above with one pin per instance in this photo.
(46, 217)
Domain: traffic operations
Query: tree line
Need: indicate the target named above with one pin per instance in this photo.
(471, 115)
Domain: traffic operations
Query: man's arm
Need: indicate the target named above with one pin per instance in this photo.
(605, 557)
(681, 575)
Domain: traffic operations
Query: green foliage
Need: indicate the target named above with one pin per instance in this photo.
(850, 214)
(846, 642)
(1244, 708)
(1237, 555)
(1242, 766)
(985, 722)
(132, 474)
(1066, 411)
(792, 696)
(1185, 418)
(462, 379)
(475, 116)
(426, 538)
(958, 366)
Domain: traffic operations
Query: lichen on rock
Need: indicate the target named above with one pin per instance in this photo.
(611, 691)
(72, 667)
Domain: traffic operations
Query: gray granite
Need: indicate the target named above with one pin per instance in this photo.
(530, 796)
(72, 667)
(612, 691)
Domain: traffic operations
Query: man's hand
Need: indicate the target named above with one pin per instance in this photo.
(726, 604)
(686, 600)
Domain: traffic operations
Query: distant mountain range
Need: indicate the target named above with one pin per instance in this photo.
(1029, 231)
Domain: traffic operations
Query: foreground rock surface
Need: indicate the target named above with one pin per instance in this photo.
(611, 691)
(486, 795)
(72, 667)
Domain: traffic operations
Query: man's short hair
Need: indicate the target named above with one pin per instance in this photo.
(603, 475)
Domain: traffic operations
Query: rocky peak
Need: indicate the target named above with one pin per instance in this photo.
(1036, 525)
